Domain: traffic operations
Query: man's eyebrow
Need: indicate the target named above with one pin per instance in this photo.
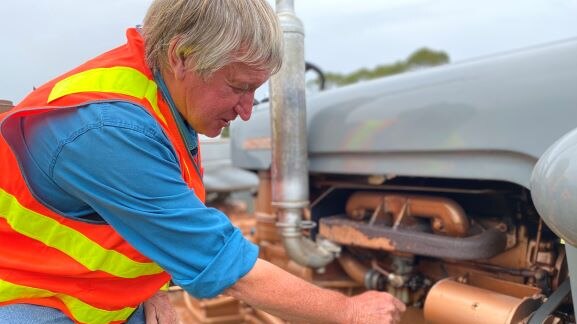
(245, 85)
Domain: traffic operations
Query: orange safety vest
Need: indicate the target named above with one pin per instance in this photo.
(86, 270)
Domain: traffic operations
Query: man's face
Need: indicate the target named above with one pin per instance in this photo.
(209, 105)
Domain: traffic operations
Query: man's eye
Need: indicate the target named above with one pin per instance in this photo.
(238, 90)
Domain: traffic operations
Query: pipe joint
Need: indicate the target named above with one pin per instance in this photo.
(307, 253)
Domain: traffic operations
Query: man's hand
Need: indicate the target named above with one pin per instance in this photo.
(159, 310)
(282, 294)
(375, 307)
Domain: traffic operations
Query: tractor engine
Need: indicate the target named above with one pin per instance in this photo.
(420, 184)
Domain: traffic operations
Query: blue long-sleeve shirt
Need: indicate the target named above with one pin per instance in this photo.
(111, 162)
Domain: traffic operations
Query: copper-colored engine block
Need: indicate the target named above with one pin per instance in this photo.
(453, 302)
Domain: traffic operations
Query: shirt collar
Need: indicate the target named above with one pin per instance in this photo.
(189, 135)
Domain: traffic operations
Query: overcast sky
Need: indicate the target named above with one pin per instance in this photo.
(43, 38)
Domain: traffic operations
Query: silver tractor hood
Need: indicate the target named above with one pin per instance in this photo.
(490, 118)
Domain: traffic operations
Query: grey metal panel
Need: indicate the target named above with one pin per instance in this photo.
(572, 261)
(479, 165)
(554, 187)
(553, 190)
(250, 141)
(219, 173)
(484, 119)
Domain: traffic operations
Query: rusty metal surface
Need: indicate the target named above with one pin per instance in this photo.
(263, 201)
(266, 229)
(503, 287)
(344, 231)
(353, 268)
(483, 244)
(475, 305)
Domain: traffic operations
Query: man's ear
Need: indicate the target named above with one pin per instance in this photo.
(176, 62)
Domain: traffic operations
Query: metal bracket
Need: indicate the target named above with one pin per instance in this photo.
(551, 304)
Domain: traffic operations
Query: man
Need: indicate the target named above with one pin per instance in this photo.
(101, 197)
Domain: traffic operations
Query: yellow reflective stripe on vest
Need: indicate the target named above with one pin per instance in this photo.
(81, 311)
(119, 79)
(71, 242)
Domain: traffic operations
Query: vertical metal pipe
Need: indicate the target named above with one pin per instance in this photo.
(289, 170)
(289, 149)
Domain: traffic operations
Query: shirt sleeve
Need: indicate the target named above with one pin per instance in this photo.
(129, 175)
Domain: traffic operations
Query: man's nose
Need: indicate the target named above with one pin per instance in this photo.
(244, 106)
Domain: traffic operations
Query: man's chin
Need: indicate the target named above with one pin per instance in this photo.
(212, 133)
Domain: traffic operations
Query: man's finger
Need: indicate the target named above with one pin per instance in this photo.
(399, 305)
(150, 314)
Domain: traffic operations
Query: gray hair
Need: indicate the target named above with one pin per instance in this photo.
(213, 33)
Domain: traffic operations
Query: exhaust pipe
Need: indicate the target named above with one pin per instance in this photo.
(289, 170)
